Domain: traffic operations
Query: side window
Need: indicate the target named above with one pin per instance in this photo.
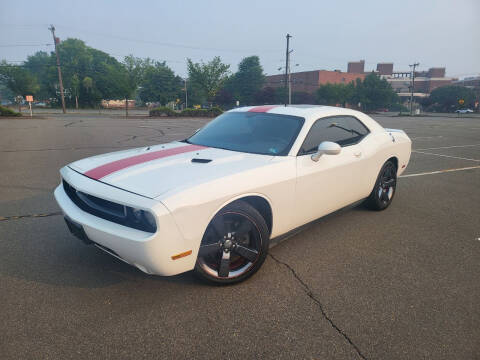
(344, 130)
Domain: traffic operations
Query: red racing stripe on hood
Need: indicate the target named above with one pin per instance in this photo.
(106, 169)
(264, 108)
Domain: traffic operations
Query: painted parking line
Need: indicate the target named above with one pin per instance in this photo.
(447, 147)
(440, 171)
(447, 156)
(426, 137)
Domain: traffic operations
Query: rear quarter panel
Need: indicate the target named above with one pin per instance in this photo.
(380, 146)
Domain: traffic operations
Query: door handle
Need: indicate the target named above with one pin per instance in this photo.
(358, 154)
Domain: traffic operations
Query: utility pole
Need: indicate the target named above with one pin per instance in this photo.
(412, 86)
(186, 94)
(55, 40)
(288, 89)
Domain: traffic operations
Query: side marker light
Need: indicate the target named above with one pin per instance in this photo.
(181, 255)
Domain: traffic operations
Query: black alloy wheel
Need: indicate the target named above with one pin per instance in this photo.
(234, 245)
(383, 192)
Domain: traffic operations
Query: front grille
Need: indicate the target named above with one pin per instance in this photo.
(107, 210)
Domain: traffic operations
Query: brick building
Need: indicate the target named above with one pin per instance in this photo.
(385, 68)
(356, 67)
(425, 81)
(310, 81)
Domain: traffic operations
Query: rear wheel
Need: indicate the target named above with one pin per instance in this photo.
(234, 245)
(384, 190)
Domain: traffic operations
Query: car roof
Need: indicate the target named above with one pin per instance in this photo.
(297, 110)
(311, 113)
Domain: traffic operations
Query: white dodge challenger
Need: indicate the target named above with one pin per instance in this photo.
(213, 201)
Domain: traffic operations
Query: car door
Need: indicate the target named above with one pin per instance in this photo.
(332, 182)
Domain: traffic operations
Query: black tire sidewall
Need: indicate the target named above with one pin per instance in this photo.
(245, 209)
(373, 201)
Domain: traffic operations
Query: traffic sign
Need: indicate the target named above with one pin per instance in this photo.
(461, 101)
(29, 98)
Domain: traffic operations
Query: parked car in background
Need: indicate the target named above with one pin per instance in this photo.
(464, 111)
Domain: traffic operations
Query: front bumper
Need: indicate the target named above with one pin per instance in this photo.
(151, 253)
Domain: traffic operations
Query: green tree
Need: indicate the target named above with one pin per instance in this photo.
(43, 66)
(333, 94)
(224, 97)
(302, 97)
(108, 77)
(446, 98)
(160, 84)
(18, 79)
(135, 68)
(265, 96)
(281, 94)
(374, 93)
(5, 93)
(75, 83)
(206, 79)
(248, 80)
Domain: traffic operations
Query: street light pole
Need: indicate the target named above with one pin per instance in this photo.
(413, 86)
(288, 89)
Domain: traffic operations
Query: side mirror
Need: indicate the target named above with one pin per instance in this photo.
(328, 148)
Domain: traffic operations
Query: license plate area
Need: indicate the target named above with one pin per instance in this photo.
(77, 230)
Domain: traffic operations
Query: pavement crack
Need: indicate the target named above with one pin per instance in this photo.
(73, 123)
(310, 294)
(129, 138)
(16, 217)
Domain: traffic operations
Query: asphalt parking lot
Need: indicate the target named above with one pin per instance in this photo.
(398, 284)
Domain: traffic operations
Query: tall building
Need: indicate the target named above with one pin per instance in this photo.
(310, 81)
(356, 67)
(385, 68)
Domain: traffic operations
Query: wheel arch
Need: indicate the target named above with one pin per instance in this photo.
(258, 201)
(394, 159)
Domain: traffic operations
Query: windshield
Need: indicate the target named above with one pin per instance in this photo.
(258, 133)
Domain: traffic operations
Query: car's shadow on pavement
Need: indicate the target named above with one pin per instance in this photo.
(42, 250)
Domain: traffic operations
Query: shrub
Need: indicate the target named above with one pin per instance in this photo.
(212, 112)
(162, 111)
(216, 111)
(4, 111)
(398, 107)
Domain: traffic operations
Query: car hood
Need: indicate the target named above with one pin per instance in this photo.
(156, 170)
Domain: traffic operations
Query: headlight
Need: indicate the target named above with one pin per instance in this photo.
(149, 219)
(141, 219)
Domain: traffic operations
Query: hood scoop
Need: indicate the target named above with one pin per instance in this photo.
(201, 161)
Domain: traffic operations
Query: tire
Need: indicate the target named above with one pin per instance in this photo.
(385, 187)
(234, 245)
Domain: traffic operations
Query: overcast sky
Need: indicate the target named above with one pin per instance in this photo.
(326, 34)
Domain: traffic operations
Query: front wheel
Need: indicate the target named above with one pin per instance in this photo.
(234, 245)
(384, 190)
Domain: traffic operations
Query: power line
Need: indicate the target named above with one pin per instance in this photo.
(21, 45)
(170, 44)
